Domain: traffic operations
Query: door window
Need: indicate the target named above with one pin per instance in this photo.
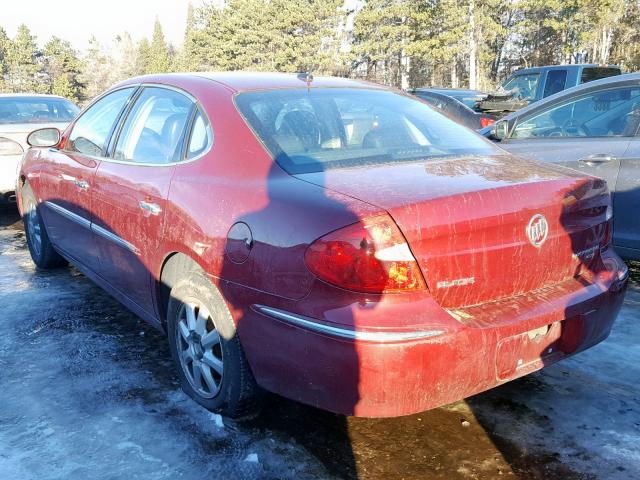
(154, 129)
(201, 136)
(555, 83)
(608, 113)
(92, 130)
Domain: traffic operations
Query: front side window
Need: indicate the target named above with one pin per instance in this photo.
(155, 127)
(524, 86)
(325, 128)
(91, 132)
(608, 113)
(555, 83)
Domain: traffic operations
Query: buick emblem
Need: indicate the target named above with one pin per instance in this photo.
(537, 230)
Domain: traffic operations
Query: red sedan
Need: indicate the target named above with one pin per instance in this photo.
(332, 241)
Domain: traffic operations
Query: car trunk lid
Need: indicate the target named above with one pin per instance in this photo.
(485, 228)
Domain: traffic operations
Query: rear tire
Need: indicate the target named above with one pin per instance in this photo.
(42, 252)
(206, 349)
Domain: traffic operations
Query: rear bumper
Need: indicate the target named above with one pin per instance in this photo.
(392, 372)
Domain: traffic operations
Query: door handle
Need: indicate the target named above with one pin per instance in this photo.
(597, 159)
(152, 208)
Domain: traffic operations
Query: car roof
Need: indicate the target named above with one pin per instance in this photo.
(242, 81)
(608, 81)
(444, 89)
(524, 71)
(31, 95)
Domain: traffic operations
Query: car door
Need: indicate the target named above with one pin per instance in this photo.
(131, 189)
(589, 132)
(626, 204)
(67, 180)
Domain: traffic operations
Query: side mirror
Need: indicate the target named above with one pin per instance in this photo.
(500, 130)
(45, 137)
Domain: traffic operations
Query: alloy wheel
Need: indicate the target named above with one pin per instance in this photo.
(199, 349)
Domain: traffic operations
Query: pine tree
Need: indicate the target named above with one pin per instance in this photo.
(126, 55)
(22, 64)
(384, 33)
(97, 68)
(159, 60)
(4, 45)
(188, 59)
(62, 66)
(143, 57)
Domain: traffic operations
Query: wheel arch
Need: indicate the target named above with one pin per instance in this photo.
(175, 266)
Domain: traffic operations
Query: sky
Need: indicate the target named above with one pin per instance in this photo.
(77, 20)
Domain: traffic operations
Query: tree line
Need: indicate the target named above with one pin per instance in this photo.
(403, 43)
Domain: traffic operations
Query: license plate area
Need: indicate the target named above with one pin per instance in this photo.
(527, 352)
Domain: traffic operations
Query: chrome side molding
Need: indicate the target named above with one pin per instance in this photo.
(74, 217)
(104, 233)
(345, 333)
(83, 222)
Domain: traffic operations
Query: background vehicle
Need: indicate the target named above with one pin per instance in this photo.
(532, 84)
(322, 239)
(592, 128)
(469, 97)
(20, 114)
(457, 110)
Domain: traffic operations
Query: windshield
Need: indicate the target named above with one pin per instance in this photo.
(310, 130)
(36, 110)
(524, 85)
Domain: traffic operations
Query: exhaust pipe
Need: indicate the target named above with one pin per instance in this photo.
(11, 198)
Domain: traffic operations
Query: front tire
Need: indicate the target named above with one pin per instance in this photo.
(40, 247)
(206, 349)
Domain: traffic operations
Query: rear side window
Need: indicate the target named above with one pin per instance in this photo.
(556, 80)
(596, 73)
(326, 128)
(155, 127)
(201, 136)
(91, 132)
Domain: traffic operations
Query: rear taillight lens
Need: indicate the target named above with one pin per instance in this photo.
(607, 236)
(369, 256)
(486, 121)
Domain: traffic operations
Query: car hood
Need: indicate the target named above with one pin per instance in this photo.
(18, 132)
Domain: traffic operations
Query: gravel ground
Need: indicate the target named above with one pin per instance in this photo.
(87, 391)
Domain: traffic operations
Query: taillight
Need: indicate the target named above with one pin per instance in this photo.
(369, 256)
(607, 236)
(486, 121)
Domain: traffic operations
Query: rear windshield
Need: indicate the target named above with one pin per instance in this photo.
(596, 73)
(310, 130)
(36, 110)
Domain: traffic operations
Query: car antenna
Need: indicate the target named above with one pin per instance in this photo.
(306, 77)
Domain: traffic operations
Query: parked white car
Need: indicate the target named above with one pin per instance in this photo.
(20, 114)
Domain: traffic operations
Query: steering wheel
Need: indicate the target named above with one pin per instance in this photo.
(569, 128)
